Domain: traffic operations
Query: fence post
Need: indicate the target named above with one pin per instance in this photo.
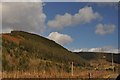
(89, 75)
(72, 69)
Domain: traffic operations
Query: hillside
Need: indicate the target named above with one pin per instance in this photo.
(97, 55)
(27, 51)
(26, 55)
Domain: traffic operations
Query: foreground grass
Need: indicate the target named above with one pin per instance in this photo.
(77, 74)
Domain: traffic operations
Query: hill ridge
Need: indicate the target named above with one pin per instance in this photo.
(22, 46)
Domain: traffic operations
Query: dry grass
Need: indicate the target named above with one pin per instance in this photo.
(54, 74)
(11, 38)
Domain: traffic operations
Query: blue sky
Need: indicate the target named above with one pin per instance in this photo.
(74, 25)
(84, 35)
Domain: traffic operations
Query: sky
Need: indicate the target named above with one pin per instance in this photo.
(78, 26)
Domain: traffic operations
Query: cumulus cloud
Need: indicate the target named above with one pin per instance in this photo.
(85, 15)
(103, 29)
(60, 0)
(23, 16)
(103, 49)
(21, 0)
(6, 30)
(62, 39)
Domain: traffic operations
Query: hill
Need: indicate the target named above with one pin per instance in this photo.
(97, 55)
(26, 51)
(26, 55)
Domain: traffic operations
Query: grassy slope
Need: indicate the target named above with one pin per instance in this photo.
(27, 52)
(23, 50)
(96, 55)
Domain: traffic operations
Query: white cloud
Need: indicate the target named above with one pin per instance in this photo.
(103, 29)
(60, 0)
(107, 49)
(85, 15)
(21, 0)
(62, 39)
(28, 16)
(80, 50)
(7, 30)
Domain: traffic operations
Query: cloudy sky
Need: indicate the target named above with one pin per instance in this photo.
(75, 25)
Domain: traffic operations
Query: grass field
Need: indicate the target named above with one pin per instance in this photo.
(77, 74)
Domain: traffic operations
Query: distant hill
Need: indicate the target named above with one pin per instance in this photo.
(97, 55)
(26, 51)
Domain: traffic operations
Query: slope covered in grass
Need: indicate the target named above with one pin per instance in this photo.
(23, 51)
(97, 55)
